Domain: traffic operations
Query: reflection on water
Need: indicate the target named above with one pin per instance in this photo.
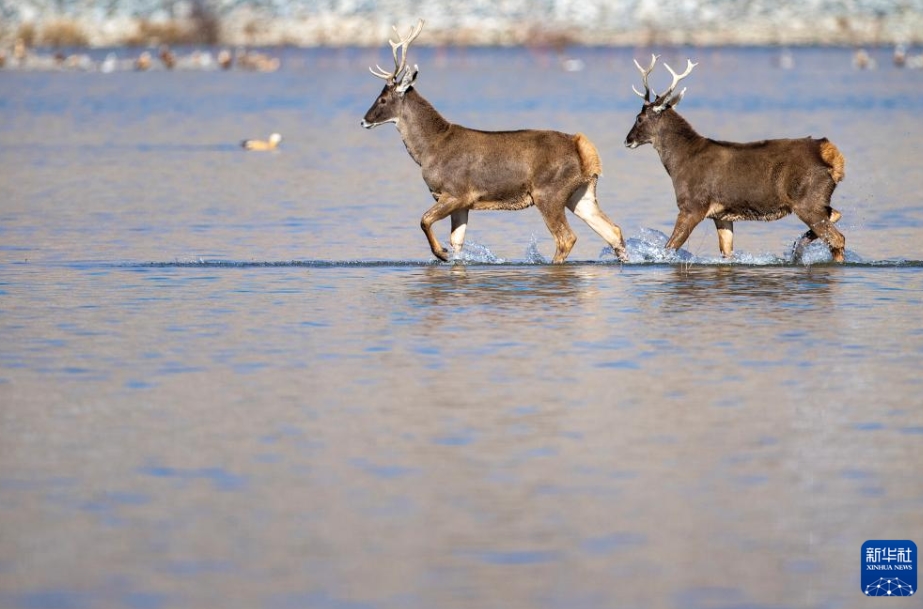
(504, 287)
(439, 435)
(239, 380)
(728, 289)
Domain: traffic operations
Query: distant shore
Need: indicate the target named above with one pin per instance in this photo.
(244, 27)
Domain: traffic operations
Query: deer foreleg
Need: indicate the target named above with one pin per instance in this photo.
(685, 222)
(444, 206)
(564, 237)
(551, 204)
(459, 224)
(725, 237)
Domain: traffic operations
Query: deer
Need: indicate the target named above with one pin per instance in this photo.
(467, 169)
(728, 181)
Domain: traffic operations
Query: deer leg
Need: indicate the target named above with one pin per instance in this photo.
(810, 236)
(821, 226)
(556, 221)
(444, 206)
(834, 238)
(725, 237)
(685, 222)
(803, 241)
(459, 224)
(586, 207)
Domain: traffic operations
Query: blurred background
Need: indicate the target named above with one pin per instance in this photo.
(189, 420)
(111, 23)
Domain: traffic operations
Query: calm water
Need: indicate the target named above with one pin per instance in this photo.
(238, 380)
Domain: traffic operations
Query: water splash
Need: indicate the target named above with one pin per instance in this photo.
(533, 256)
(650, 246)
(817, 252)
(607, 254)
(747, 259)
(477, 254)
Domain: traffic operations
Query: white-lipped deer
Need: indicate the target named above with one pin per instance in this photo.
(468, 169)
(729, 181)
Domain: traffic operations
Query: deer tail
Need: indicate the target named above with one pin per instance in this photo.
(589, 158)
(832, 156)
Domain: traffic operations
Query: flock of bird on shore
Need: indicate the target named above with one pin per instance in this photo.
(21, 57)
(863, 61)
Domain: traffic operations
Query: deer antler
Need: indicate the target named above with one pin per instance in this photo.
(646, 96)
(665, 98)
(400, 59)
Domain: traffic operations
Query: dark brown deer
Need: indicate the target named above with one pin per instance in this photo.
(728, 181)
(467, 169)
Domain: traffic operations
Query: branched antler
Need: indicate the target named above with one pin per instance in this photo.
(665, 99)
(399, 51)
(647, 95)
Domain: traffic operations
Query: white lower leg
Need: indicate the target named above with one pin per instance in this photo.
(459, 224)
(587, 209)
(725, 237)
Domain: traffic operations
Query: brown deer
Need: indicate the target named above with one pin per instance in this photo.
(467, 169)
(728, 181)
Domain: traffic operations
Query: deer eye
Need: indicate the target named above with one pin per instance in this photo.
(382, 101)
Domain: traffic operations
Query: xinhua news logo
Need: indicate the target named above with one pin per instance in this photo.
(889, 567)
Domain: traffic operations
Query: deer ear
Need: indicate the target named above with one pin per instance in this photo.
(668, 101)
(408, 79)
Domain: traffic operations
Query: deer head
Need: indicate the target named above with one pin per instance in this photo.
(387, 107)
(654, 105)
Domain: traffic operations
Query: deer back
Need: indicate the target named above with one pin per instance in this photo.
(503, 163)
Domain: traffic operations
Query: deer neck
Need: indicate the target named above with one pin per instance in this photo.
(676, 141)
(420, 126)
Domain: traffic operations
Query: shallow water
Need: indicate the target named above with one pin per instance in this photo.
(233, 379)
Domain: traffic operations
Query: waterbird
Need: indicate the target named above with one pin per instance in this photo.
(256, 62)
(271, 144)
(167, 57)
(863, 61)
(20, 51)
(143, 62)
(225, 59)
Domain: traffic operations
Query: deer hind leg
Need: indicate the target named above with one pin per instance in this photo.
(586, 207)
(810, 236)
(445, 205)
(459, 224)
(821, 226)
(725, 237)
